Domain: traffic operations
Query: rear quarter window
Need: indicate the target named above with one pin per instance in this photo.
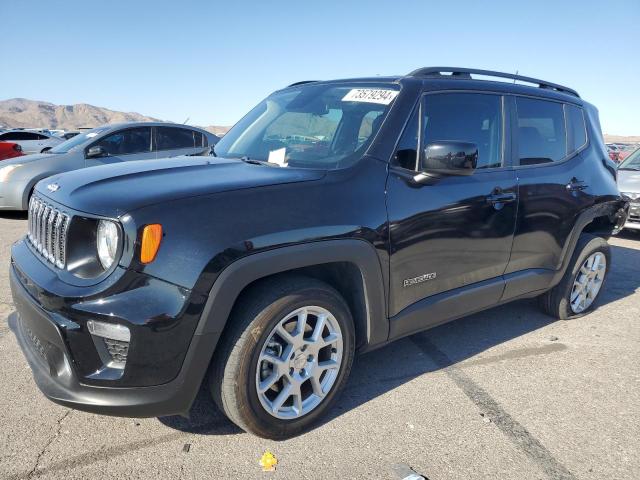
(576, 127)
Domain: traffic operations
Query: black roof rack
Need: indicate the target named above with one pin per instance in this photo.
(465, 73)
(301, 83)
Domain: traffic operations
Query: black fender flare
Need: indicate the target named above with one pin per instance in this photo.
(239, 274)
(606, 209)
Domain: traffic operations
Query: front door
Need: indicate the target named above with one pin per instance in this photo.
(454, 231)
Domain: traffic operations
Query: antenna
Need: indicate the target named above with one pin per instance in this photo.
(514, 80)
(185, 122)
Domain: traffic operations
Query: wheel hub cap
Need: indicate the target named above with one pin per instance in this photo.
(299, 362)
(588, 282)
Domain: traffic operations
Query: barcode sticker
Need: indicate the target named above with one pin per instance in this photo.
(370, 95)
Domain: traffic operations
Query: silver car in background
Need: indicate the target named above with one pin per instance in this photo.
(103, 145)
(31, 141)
(629, 186)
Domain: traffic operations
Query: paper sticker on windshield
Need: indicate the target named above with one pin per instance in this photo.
(278, 157)
(91, 135)
(370, 95)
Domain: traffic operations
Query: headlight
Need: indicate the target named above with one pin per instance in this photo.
(630, 195)
(6, 171)
(107, 243)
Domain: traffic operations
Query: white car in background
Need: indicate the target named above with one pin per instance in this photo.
(31, 141)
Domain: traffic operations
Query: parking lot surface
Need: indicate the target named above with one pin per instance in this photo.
(507, 393)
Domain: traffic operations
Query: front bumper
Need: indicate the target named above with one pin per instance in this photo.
(50, 340)
(633, 220)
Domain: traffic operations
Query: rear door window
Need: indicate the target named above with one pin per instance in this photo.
(541, 131)
(169, 138)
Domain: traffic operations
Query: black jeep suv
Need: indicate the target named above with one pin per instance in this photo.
(335, 216)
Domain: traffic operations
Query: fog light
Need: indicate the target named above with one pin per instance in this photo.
(112, 343)
(109, 330)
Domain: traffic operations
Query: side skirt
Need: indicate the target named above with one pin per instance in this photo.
(447, 306)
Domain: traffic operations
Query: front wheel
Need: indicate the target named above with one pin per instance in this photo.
(287, 355)
(583, 281)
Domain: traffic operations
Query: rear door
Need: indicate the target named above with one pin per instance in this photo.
(553, 176)
(457, 230)
(175, 141)
(123, 146)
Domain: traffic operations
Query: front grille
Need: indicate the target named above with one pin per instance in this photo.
(117, 349)
(48, 231)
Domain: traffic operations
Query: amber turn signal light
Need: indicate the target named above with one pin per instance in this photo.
(151, 237)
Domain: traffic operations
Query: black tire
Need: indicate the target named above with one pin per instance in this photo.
(233, 373)
(556, 302)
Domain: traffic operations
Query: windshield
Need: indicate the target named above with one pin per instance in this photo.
(77, 142)
(632, 162)
(314, 126)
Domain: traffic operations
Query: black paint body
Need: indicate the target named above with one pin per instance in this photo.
(488, 238)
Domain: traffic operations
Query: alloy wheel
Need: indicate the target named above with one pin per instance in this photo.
(588, 282)
(299, 362)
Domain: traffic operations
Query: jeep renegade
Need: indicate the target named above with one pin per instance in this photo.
(335, 217)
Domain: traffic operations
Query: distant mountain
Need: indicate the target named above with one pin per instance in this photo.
(621, 138)
(217, 130)
(20, 112)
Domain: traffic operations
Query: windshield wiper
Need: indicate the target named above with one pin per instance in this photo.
(253, 161)
(635, 169)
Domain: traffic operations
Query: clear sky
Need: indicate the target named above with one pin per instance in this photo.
(212, 61)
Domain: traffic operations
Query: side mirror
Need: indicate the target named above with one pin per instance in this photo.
(449, 158)
(95, 152)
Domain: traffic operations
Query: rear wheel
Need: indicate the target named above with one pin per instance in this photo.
(583, 281)
(285, 358)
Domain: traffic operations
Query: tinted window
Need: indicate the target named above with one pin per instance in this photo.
(169, 138)
(407, 150)
(576, 127)
(466, 117)
(541, 131)
(20, 136)
(125, 142)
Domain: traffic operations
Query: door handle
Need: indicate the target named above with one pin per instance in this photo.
(498, 196)
(576, 185)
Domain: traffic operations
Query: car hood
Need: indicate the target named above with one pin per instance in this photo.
(115, 189)
(24, 159)
(629, 181)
